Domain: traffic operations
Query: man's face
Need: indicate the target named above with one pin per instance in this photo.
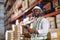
(36, 12)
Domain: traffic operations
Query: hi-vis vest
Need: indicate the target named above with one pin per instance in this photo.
(36, 26)
(37, 23)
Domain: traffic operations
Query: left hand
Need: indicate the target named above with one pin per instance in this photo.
(30, 30)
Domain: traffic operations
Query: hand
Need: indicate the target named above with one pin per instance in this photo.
(30, 30)
(27, 35)
(36, 32)
(21, 23)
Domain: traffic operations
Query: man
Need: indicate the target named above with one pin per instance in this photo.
(40, 25)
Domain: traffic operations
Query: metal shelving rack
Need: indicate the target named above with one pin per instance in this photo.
(9, 20)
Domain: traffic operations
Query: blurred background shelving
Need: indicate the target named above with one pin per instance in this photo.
(20, 9)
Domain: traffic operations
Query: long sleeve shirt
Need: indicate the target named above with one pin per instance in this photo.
(43, 27)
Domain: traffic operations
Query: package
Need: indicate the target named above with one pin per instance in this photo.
(48, 7)
(12, 16)
(51, 21)
(13, 27)
(15, 13)
(18, 3)
(24, 5)
(8, 27)
(9, 35)
(54, 34)
(59, 34)
(32, 2)
(57, 8)
(15, 33)
(18, 31)
(55, 3)
(20, 11)
(58, 16)
(58, 20)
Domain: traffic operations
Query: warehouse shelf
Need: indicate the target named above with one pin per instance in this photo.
(9, 3)
(12, 15)
(11, 11)
(15, 6)
(5, 3)
(53, 13)
(9, 19)
(47, 15)
(19, 15)
(48, 4)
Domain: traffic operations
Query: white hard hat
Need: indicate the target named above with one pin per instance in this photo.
(37, 7)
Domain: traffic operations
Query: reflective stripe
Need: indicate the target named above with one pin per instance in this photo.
(42, 37)
(36, 27)
(37, 23)
(39, 38)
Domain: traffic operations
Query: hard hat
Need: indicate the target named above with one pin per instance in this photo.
(37, 7)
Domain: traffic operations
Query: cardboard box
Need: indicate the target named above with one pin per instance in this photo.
(17, 3)
(9, 35)
(15, 33)
(58, 20)
(54, 34)
(58, 16)
(57, 8)
(55, 3)
(19, 11)
(52, 22)
(58, 25)
(24, 5)
(12, 16)
(31, 2)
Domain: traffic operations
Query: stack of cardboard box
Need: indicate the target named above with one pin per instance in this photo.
(54, 34)
(58, 20)
(51, 21)
(31, 2)
(24, 5)
(15, 33)
(9, 35)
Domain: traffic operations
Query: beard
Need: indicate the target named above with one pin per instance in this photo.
(36, 15)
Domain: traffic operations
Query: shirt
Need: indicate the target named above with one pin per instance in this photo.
(43, 26)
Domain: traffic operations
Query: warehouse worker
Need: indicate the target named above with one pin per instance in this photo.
(40, 25)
